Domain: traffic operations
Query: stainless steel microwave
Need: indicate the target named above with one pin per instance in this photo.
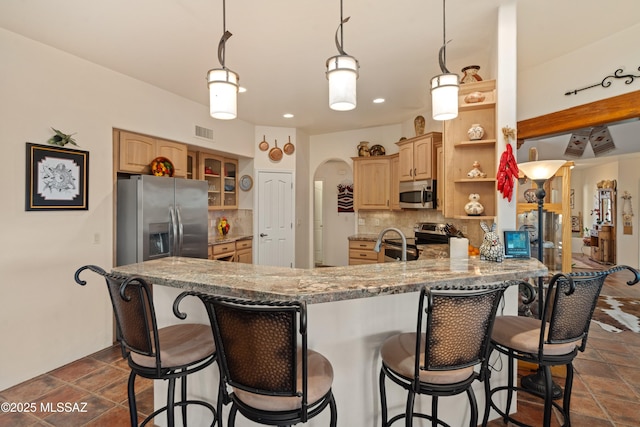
(418, 194)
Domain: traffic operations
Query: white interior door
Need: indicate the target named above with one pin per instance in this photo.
(275, 219)
(317, 223)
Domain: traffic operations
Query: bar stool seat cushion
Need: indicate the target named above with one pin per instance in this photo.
(320, 377)
(522, 334)
(180, 345)
(398, 353)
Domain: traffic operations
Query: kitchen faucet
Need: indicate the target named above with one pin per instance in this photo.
(404, 241)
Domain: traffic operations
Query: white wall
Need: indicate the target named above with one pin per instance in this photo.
(46, 319)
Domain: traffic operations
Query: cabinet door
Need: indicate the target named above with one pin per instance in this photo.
(230, 172)
(372, 183)
(192, 165)
(175, 152)
(210, 169)
(405, 163)
(394, 191)
(422, 159)
(136, 152)
(440, 182)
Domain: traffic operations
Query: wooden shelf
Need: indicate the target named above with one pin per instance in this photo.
(480, 143)
(475, 180)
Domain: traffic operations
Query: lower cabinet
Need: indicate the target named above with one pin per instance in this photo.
(361, 252)
(243, 251)
(233, 251)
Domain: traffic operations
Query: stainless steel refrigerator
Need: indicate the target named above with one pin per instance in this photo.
(159, 217)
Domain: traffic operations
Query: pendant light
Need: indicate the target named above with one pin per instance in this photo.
(342, 73)
(223, 83)
(444, 87)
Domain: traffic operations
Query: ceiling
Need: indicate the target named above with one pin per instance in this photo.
(279, 47)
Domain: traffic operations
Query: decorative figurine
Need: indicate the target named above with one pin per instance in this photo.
(475, 132)
(474, 207)
(223, 226)
(476, 172)
(491, 248)
(363, 149)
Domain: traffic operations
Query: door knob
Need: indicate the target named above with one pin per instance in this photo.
(263, 235)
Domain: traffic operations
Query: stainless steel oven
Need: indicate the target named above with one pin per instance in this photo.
(418, 194)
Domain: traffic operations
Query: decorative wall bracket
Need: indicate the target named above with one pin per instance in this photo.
(606, 82)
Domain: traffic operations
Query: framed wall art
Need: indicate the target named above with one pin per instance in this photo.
(56, 178)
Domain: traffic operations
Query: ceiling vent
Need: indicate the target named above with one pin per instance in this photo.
(204, 133)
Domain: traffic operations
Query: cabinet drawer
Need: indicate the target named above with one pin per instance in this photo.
(363, 254)
(243, 244)
(364, 245)
(224, 248)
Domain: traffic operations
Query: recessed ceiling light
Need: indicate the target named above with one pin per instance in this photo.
(378, 100)
(242, 89)
(287, 115)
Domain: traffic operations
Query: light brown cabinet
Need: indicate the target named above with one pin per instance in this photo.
(416, 157)
(361, 252)
(136, 152)
(244, 251)
(394, 191)
(192, 165)
(372, 182)
(221, 176)
(232, 251)
(440, 182)
(460, 153)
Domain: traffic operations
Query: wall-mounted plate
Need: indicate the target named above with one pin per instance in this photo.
(246, 182)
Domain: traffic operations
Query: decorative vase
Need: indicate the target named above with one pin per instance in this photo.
(474, 207)
(475, 132)
(363, 149)
(470, 74)
(418, 123)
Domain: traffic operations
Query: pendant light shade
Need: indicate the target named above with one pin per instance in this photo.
(541, 169)
(342, 73)
(223, 93)
(444, 87)
(223, 83)
(444, 96)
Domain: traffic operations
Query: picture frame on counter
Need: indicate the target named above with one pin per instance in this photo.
(57, 178)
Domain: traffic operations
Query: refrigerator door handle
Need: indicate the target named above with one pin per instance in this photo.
(173, 229)
(180, 231)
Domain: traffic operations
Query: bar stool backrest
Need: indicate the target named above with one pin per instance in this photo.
(258, 344)
(458, 328)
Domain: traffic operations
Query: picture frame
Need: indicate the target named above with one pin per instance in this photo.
(57, 178)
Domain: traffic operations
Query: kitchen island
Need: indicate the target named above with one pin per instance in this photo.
(351, 311)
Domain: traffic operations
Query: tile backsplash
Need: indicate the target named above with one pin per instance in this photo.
(376, 221)
(241, 221)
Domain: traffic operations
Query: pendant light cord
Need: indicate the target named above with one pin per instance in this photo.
(442, 55)
(225, 35)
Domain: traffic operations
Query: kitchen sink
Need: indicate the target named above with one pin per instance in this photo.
(393, 253)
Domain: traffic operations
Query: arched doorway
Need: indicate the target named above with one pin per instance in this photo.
(330, 227)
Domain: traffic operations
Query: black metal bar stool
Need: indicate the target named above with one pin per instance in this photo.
(438, 359)
(567, 311)
(169, 353)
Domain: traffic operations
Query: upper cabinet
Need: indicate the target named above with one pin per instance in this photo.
(463, 149)
(394, 190)
(136, 152)
(221, 175)
(416, 157)
(372, 182)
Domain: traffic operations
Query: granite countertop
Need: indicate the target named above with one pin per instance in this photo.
(328, 284)
(365, 237)
(217, 239)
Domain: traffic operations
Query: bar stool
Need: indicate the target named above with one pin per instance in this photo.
(169, 353)
(439, 358)
(273, 380)
(569, 305)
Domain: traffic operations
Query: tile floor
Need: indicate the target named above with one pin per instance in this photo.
(606, 389)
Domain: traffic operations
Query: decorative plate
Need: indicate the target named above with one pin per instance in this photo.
(246, 182)
(161, 166)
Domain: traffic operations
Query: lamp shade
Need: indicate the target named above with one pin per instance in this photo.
(342, 73)
(444, 96)
(223, 93)
(541, 169)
